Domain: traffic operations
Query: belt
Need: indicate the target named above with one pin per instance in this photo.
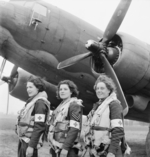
(100, 128)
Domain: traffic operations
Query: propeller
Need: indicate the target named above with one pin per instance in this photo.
(110, 72)
(5, 79)
(2, 82)
(14, 71)
(1, 71)
(116, 20)
(73, 60)
(2, 68)
(99, 49)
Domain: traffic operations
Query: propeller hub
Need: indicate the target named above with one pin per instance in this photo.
(95, 47)
(6, 79)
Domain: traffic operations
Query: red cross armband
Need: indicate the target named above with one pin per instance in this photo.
(39, 117)
(116, 123)
(74, 124)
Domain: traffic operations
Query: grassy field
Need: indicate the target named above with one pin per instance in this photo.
(135, 136)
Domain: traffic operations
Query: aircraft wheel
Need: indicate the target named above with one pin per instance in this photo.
(148, 144)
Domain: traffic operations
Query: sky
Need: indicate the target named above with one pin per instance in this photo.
(97, 13)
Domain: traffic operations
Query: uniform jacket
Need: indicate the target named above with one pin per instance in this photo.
(32, 119)
(103, 121)
(117, 133)
(68, 114)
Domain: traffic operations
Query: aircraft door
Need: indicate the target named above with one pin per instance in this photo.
(38, 25)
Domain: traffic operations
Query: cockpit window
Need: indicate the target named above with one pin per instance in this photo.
(40, 9)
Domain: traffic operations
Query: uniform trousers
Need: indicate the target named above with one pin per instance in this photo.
(22, 147)
(73, 152)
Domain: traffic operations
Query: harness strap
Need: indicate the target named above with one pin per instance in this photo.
(100, 128)
(25, 124)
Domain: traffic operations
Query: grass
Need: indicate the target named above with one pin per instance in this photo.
(9, 142)
(135, 136)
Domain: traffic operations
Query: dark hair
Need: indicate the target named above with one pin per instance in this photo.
(108, 82)
(73, 88)
(38, 82)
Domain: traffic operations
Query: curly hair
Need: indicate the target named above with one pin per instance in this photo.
(108, 82)
(72, 86)
(38, 82)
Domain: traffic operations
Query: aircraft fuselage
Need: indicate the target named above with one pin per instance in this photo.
(36, 36)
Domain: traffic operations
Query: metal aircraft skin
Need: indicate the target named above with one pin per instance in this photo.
(37, 36)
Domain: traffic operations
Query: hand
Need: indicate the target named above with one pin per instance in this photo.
(128, 150)
(63, 153)
(96, 147)
(29, 152)
(110, 155)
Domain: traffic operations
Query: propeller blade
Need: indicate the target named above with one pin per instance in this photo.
(116, 20)
(73, 60)
(110, 72)
(14, 71)
(2, 68)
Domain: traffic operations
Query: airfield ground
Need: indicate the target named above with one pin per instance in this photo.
(135, 136)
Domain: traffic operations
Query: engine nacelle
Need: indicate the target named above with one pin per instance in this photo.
(17, 87)
(132, 66)
(137, 101)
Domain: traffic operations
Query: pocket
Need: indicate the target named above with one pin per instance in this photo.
(21, 130)
(60, 132)
(60, 136)
(60, 126)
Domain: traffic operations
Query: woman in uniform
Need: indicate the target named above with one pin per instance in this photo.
(31, 122)
(104, 130)
(65, 124)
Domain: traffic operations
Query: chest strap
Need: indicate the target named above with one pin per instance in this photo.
(100, 128)
(25, 124)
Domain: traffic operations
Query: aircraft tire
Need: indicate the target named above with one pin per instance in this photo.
(148, 144)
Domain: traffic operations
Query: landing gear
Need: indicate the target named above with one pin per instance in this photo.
(148, 143)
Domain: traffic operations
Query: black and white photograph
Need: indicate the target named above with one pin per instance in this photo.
(74, 78)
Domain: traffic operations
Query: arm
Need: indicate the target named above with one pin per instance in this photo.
(117, 126)
(40, 112)
(74, 116)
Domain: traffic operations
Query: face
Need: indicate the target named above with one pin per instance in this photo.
(64, 91)
(102, 91)
(32, 90)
